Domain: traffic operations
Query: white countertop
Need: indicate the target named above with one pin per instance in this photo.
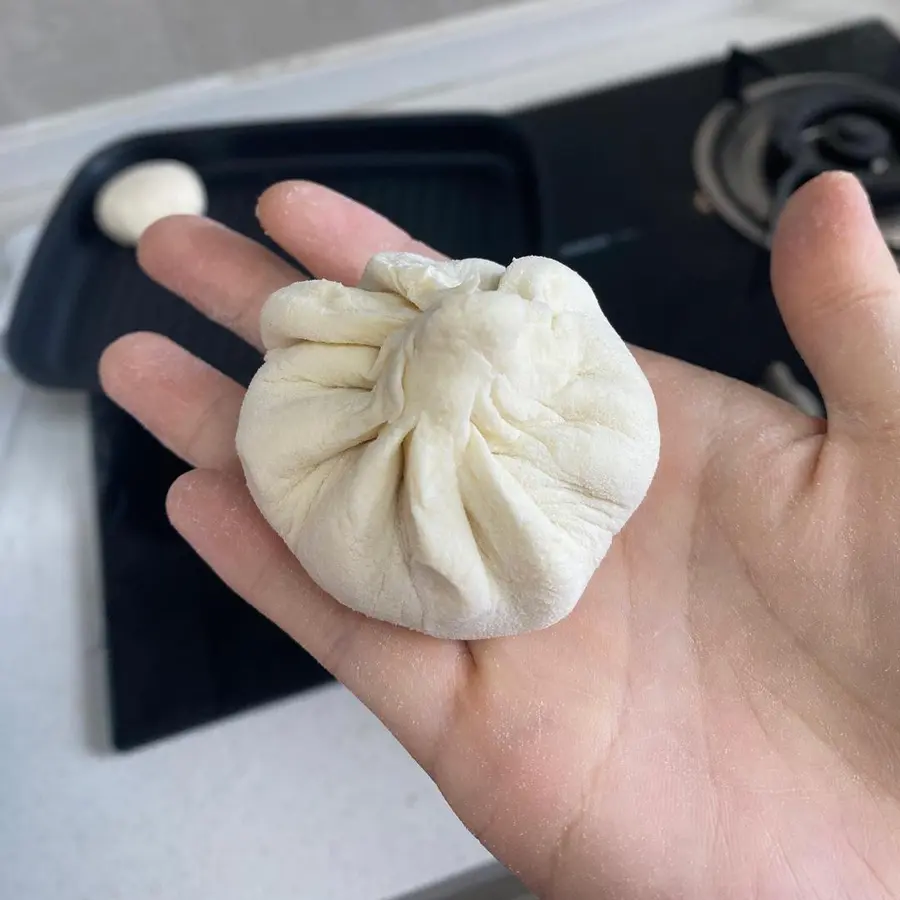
(307, 798)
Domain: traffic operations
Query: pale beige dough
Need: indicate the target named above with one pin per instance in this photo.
(450, 446)
(136, 197)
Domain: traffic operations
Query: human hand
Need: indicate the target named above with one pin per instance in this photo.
(720, 715)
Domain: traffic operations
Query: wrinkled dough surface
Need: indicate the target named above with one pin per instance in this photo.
(450, 446)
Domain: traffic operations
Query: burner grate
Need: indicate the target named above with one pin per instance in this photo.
(767, 137)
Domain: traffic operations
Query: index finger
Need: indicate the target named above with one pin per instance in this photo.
(330, 234)
(228, 277)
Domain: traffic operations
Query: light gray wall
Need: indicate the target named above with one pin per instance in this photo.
(58, 54)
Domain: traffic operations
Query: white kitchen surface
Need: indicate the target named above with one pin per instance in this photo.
(308, 798)
(56, 54)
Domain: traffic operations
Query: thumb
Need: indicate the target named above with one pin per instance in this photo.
(838, 289)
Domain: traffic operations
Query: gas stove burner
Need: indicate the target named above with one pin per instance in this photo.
(752, 152)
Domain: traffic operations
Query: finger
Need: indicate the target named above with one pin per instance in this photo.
(225, 275)
(190, 407)
(330, 234)
(407, 679)
(838, 288)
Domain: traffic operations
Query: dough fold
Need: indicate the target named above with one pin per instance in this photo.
(450, 446)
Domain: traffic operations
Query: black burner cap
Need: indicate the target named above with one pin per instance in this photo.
(753, 153)
(855, 139)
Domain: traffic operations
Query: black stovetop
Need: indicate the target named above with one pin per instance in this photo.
(623, 209)
(671, 275)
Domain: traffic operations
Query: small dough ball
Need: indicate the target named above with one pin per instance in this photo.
(133, 199)
(449, 446)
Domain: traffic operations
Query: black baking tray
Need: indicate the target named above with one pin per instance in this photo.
(183, 649)
(462, 183)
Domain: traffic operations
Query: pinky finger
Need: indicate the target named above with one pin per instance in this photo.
(390, 669)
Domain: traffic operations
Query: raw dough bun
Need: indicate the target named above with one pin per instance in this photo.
(135, 198)
(451, 446)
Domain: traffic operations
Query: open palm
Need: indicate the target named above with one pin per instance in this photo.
(720, 716)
